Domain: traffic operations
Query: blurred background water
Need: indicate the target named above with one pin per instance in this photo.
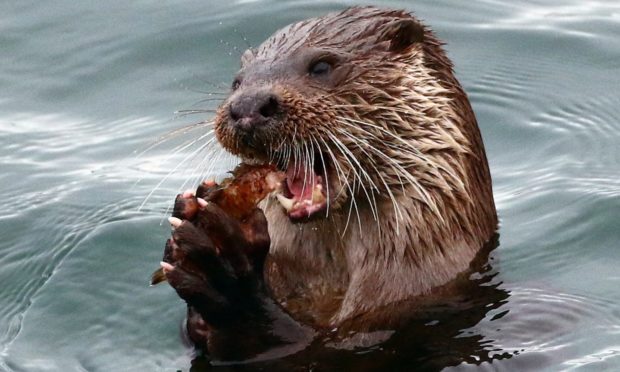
(85, 87)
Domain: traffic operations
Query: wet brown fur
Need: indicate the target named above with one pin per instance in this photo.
(404, 156)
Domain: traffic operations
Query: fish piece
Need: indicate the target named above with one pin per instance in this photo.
(238, 195)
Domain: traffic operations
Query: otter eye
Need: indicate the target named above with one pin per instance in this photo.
(235, 84)
(320, 68)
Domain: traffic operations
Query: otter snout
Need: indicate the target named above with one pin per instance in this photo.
(253, 108)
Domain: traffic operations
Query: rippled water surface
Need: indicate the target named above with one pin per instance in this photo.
(86, 87)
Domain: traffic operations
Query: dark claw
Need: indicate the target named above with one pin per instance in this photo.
(158, 276)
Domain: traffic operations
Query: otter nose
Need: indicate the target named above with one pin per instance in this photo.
(253, 108)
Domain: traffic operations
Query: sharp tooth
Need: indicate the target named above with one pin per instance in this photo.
(317, 195)
(286, 202)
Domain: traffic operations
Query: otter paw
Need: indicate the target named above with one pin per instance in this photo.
(244, 244)
(186, 205)
(206, 188)
(214, 262)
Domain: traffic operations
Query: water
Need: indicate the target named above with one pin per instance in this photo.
(86, 84)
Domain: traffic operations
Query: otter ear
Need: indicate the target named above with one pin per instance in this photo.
(401, 34)
(248, 56)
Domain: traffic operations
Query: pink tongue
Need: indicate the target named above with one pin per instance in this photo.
(300, 188)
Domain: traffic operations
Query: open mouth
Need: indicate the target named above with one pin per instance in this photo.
(305, 190)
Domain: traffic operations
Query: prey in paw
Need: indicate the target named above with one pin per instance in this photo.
(214, 261)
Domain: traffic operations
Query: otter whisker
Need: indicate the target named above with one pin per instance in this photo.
(385, 131)
(391, 195)
(295, 158)
(294, 139)
(278, 154)
(200, 167)
(372, 163)
(367, 143)
(180, 148)
(200, 148)
(374, 106)
(215, 160)
(399, 213)
(326, 181)
(207, 92)
(300, 159)
(351, 190)
(184, 113)
(408, 148)
(421, 190)
(347, 153)
(281, 145)
(197, 179)
(312, 151)
(190, 143)
(287, 155)
(305, 166)
(210, 99)
(339, 171)
(398, 170)
(423, 193)
(172, 134)
(283, 155)
(351, 203)
(308, 164)
(339, 143)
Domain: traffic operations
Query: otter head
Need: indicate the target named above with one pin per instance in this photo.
(348, 107)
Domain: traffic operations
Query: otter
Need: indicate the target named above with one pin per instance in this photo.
(388, 194)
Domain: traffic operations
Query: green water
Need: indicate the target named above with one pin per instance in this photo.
(85, 87)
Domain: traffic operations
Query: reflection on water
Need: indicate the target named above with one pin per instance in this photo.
(87, 86)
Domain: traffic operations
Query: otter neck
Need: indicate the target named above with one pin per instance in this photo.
(325, 274)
